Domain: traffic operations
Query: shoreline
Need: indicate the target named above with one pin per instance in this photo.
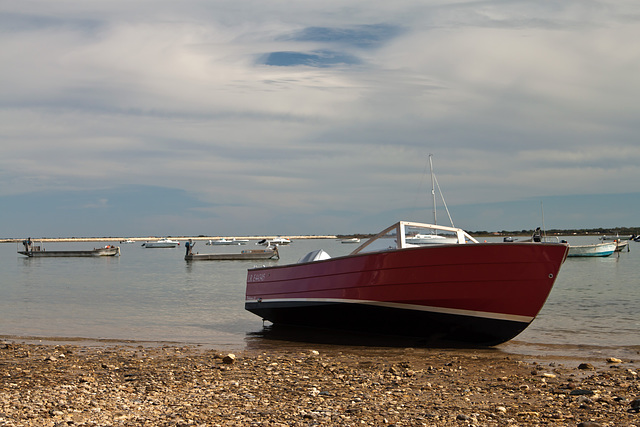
(306, 384)
(595, 354)
(565, 233)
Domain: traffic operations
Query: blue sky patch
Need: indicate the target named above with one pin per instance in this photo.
(362, 36)
(359, 37)
(320, 59)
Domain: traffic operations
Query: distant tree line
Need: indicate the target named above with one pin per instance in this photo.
(623, 231)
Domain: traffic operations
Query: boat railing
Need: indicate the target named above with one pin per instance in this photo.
(399, 232)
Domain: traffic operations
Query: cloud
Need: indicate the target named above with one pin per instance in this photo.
(322, 110)
(99, 204)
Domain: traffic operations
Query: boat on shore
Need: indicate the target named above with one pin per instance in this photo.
(470, 292)
(38, 251)
(228, 242)
(162, 243)
(246, 255)
(594, 250)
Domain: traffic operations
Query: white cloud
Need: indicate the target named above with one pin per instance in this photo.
(513, 99)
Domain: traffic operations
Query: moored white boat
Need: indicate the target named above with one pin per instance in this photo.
(621, 245)
(228, 242)
(430, 239)
(622, 242)
(471, 292)
(162, 243)
(351, 240)
(595, 250)
(618, 237)
(280, 241)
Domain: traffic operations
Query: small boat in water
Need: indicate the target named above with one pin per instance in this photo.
(228, 242)
(430, 239)
(162, 243)
(595, 250)
(280, 241)
(621, 242)
(351, 240)
(38, 251)
(470, 292)
(277, 241)
(618, 237)
(621, 245)
(255, 254)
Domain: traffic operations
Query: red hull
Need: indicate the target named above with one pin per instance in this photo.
(480, 293)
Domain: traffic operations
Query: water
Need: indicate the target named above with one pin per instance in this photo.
(153, 295)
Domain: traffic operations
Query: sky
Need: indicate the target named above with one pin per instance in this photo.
(164, 118)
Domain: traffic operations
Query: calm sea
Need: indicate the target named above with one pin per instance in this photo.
(153, 295)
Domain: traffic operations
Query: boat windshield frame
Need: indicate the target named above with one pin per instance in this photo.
(400, 227)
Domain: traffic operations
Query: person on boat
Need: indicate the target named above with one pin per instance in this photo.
(27, 244)
(537, 235)
(189, 246)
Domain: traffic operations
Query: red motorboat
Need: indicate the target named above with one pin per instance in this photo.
(470, 292)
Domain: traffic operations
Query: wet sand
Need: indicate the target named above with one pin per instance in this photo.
(133, 384)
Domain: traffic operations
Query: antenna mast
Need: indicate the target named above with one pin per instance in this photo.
(544, 230)
(433, 190)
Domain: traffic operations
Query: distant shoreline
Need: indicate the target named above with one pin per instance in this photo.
(624, 232)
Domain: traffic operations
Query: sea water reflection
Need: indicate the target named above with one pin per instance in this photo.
(154, 295)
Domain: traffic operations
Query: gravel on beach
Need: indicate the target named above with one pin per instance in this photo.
(138, 385)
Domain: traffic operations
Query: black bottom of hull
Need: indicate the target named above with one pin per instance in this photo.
(426, 327)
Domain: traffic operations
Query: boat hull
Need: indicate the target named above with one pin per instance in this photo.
(89, 253)
(242, 256)
(425, 326)
(481, 294)
(160, 244)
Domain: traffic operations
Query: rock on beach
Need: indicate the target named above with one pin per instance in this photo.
(134, 385)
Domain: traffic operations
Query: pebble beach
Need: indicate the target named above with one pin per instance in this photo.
(166, 385)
